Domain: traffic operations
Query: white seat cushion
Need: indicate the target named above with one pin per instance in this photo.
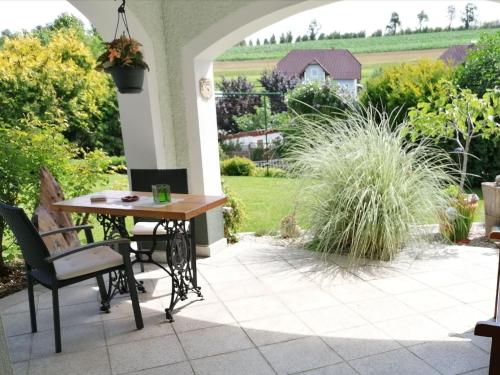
(87, 261)
(146, 228)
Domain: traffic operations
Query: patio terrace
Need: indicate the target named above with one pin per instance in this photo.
(273, 308)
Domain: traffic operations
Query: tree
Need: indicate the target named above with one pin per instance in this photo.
(313, 29)
(257, 43)
(422, 17)
(305, 38)
(394, 22)
(321, 36)
(469, 15)
(55, 81)
(233, 105)
(266, 41)
(289, 37)
(451, 15)
(461, 115)
(272, 40)
(298, 39)
(481, 69)
(282, 38)
(250, 43)
(277, 82)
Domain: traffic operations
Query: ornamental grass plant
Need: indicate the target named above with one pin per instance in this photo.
(366, 188)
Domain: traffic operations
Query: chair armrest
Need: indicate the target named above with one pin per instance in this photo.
(75, 250)
(67, 229)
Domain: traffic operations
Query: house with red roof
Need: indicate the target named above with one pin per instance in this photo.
(317, 65)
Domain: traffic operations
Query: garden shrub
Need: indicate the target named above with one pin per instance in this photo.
(270, 172)
(278, 82)
(233, 216)
(237, 166)
(118, 164)
(481, 69)
(396, 89)
(313, 98)
(366, 185)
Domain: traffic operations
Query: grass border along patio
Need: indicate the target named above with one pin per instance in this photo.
(267, 200)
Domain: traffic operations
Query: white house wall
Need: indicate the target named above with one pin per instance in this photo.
(350, 85)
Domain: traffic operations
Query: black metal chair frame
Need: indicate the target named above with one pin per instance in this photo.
(40, 265)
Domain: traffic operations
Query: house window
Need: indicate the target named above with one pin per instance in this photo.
(314, 72)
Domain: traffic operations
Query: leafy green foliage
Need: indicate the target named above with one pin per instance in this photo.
(458, 114)
(270, 172)
(315, 98)
(234, 216)
(32, 145)
(277, 82)
(456, 221)
(233, 105)
(366, 185)
(237, 166)
(258, 119)
(396, 89)
(481, 69)
(52, 79)
(122, 51)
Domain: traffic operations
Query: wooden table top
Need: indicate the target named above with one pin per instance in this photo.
(182, 207)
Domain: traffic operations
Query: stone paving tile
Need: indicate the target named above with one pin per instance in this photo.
(307, 299)
(256, 307)
(275, 329)
(281, 296)
(69, 296)
(182, 368)
(215, 340)
(399, 361)
(397, 285)
(250, 288)
(437, 279)
(245, 362)
(74, 339)
(355, 292)
(469, 292)
(360, 342)
(452, 356)
(202, 316)
(20, 347)
(20, 368)
(90, 362)
(119, 331)
(458, 319)
(413, 329)
(144, 354)
(338, 369)
(299, 355)
(331, 319)
(427, 300)
(380, 309)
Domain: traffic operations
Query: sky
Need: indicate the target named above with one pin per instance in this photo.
(342, 16)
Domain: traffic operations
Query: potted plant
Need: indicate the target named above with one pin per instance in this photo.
(123, 59)
(456, 221)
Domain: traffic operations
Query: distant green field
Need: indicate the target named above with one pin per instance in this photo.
(359, 45)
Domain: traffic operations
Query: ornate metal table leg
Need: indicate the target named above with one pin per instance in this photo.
(114, 227)
(181, 260)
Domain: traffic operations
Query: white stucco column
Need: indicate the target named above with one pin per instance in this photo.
(203, 169)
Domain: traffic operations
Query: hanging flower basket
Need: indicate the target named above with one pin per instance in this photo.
(128, 79)
(123, 59)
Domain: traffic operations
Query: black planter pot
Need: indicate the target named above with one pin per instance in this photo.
(128, 80)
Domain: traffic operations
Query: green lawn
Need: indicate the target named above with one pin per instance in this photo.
(359, 45)
(267, 200)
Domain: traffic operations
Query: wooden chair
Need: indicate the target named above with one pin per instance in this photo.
(67, 267)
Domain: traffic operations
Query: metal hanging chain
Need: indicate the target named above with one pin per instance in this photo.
(123, 17)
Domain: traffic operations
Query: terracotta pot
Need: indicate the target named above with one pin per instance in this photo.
(128, 80)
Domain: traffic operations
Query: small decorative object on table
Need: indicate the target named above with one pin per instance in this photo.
(123, 59)
(161, 193)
